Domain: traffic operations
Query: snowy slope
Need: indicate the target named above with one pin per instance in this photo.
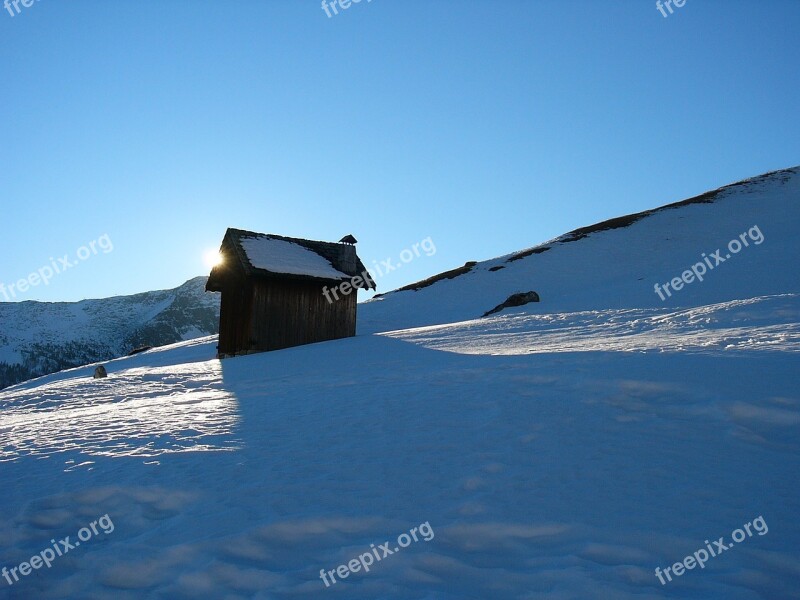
(556, 452)
(43, 337)
(618, 268)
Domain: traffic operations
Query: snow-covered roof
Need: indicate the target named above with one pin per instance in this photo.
(275, 256)
(279, 256)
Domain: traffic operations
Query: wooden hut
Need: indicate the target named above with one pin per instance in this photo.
(279, 292)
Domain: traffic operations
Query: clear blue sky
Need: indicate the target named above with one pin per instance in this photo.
(489, 126)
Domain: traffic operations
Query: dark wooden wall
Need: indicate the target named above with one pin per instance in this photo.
(292, 313)
(234, 315)
(269, 314)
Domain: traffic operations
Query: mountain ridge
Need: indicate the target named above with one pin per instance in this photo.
(39, 338)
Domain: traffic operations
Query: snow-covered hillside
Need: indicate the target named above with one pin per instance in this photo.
(560, 449)
(37, 338)
(619, 265)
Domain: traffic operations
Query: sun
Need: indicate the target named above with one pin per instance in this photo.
(212, 258)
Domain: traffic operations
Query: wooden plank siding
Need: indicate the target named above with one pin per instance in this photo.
(235, 314)
(292, 313)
